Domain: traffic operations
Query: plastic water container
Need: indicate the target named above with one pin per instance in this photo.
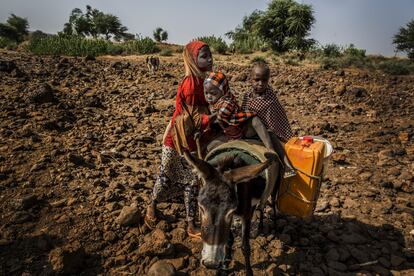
(328, 150)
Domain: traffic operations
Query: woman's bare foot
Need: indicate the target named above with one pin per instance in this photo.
(150, 218)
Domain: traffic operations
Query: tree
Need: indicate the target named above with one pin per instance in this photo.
(78, 24)
(20, 24)
(247, 27)
(15, 28)
(404, 39)
(285, 25)
(8, 32)
(95, 23)
(160, 34)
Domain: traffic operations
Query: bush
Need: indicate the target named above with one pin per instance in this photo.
(140, 46)
(68, 45)
(354, 61)
(354, 52)
(259, 59)
(291, 61)
(329, 63)
(114, 49)
(217, 44)
(396, 67)
(179, 49)
(8, 44)
(80, 46)
(38, 35)
(243, 49)
(166, 52)
(249, 45)
(331, 50)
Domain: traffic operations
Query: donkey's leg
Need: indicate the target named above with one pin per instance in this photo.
(273, 196)
(273, 203)
(246, 223)
(229, 249)
(260, 228)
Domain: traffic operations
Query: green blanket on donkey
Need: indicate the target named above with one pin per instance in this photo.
(252, 152)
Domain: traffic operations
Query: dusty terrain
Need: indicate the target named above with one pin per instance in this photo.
(80, 150)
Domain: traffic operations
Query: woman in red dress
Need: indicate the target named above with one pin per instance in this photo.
(190, 116)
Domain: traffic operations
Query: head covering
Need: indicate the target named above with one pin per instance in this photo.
(190, 55)
(194, 48)
(219, 80)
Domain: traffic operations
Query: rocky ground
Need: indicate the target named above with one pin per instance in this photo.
(80, 150)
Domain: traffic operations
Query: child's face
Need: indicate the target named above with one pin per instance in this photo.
(204, 59)
(259, 80)
(212, 93)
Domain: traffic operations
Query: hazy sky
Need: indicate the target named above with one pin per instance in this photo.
(369, 24)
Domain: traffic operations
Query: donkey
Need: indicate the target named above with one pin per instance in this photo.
(230, 187)
(152, 64)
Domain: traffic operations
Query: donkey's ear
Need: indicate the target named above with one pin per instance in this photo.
(246, 173)
(203, 169)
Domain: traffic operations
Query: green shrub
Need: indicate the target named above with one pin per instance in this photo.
(38, 35)
(114, 49)
(179, 49)
(291, 61)
(377, 58)
(249, 44)
(354, 52)
(140, 46)
(331, 50)
(80, 46)
(353, 61)
(8, 44)
(329, 63)
(397, 67)
(259, 59)
(166, 52)
(244, 49)
(68, 45)
(217, 44)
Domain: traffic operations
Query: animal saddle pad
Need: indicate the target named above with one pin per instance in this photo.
(252, 152)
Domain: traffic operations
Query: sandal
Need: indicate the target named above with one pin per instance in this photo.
(194, 235)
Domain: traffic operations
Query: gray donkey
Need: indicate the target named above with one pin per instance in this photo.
(230, 187)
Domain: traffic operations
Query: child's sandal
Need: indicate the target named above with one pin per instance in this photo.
(194, 235)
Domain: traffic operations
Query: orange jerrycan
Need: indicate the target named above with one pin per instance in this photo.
(298, 194)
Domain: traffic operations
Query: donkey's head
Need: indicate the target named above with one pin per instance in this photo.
(217, 200)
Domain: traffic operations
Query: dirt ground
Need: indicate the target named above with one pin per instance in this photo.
(80, 144)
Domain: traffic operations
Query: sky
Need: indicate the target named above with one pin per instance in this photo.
(368, 24)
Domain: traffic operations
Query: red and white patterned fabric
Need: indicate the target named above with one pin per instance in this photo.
(270, 112)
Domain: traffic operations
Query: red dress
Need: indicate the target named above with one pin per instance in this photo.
(191, 91)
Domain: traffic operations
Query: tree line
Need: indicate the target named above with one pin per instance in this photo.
(284, 26)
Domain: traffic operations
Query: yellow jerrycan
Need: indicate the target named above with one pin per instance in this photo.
(298, 195)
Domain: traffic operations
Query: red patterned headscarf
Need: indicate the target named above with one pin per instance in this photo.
(219, 80)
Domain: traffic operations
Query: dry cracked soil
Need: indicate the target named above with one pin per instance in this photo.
(80, 144)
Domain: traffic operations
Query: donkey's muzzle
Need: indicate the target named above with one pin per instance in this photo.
(212, 256)
(210, 264)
